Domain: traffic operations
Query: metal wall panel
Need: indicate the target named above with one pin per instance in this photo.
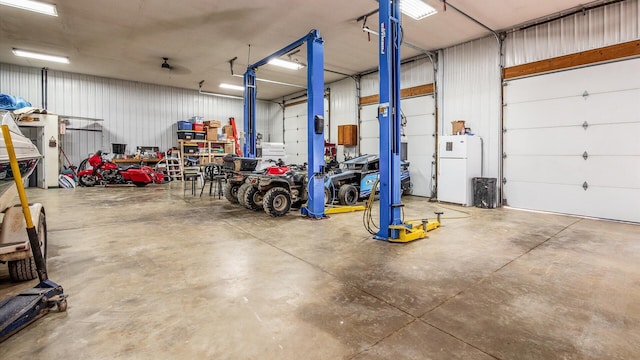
(469, 89)
(21, 81)
(413, 73)
(140, 114)
(344, 111)
(607, 25)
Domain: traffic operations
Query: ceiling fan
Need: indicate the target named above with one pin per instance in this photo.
(179, 70)
(165, 65)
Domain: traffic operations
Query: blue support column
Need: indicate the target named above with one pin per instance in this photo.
(315, 112)
(389, 118)
(249, 149)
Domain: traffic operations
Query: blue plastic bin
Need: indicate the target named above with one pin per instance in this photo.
(185, 125)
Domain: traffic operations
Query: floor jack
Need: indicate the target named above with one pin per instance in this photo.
(19, 311)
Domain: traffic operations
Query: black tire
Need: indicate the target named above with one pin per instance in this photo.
(25, 269)
(88, 180)
(241, 191)
(231, 192)
(348, 195)
(277, 202)
(140, 184)
(253, 198)
(327, 196)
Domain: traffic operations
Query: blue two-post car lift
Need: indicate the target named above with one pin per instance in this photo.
(315, 116)
(392, 227)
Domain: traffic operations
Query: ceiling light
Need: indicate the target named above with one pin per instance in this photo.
(286, 64)
(39, 56)
(416, 9)
(232, 87)
(35, 6)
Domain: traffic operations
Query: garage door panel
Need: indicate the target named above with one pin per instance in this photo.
(613, 171)
(369, 112)
(419, 126)
(613, 107)
(418, 106)
(369, 129)
(594, 79)
(558, 141)
(418, 147)
(602, 171)
(568, 199)
(369, 146)
(545, 169)
(420, 170)
(545, 113)
(614, 139)
(545, 140)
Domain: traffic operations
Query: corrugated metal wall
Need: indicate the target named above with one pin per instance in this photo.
(470, 90)
(343, 108)
(21, 81)
(608, 25)
(133, 113)
(271, 126)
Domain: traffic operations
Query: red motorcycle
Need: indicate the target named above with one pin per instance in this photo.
(107, 172)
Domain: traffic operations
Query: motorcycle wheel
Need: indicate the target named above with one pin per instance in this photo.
(277, 202)
(140, 184)
(88, 180)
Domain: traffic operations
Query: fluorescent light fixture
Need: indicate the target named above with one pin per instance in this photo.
(39, 56)
(232, 87)
(35, 6)
(286, 64)
(416, 9)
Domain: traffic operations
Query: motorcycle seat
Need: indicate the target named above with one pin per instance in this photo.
(130, 167)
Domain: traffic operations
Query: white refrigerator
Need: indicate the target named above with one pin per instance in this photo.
(459, 161)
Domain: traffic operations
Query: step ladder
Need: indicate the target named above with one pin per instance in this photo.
(174, 165)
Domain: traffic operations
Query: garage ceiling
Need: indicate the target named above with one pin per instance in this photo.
(126, 39)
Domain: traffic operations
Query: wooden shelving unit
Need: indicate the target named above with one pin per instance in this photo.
(211, 150)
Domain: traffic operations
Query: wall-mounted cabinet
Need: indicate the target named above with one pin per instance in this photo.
(348, 135)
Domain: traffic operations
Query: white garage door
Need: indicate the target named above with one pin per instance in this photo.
(295, 131)
(572, 141)
(419, 131)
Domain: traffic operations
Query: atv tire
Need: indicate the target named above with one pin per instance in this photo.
(241, 191)
(253, 198)
(348, 195)
(231, 192)
(25, 269)
(277, 202)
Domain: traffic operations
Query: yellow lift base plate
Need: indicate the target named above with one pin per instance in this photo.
(342, 209)
(413, 230)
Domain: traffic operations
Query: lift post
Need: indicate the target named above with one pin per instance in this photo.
(315, 116)
(389, 119)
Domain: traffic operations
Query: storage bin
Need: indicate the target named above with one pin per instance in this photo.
(190, 148)
(199, 135)
(185, 135)
(484, 192)
(198, 127)
(185, 125)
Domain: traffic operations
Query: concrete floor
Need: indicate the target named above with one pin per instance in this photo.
(151, 274)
